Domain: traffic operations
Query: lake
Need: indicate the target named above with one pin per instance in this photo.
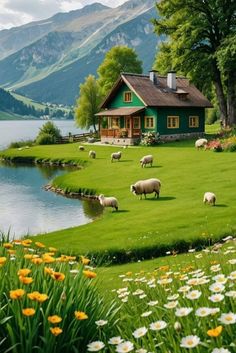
(26, 208)
(15, 130)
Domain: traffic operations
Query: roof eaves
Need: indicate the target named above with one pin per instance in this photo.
(132, 89)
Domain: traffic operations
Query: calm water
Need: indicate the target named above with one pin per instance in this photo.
(11, 131)
(26, 208)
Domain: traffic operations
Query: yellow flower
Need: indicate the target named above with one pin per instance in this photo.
(55, 319)
(26, 280)
(56, 331)
(7, 245)
(129, 273)
(37, 260)
(215, 332)
(89, 274)
(40, 245)
(85, 260)
(11, 252)
(80, 315)
(24, 272)
(48, 259)
(26, 243)
(3, 260)
(37, 296)
(48, 270)
(28, 256)
(58, 276)
(28, 311)
(52, 249)
(17, 293)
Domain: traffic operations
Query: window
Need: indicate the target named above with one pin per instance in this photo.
(127, 96)
(149, 122)
(136, 122)
(114, 123)
(193, 121)
(173, 122)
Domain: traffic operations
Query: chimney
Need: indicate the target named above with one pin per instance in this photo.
(153, 76)
(171, 80)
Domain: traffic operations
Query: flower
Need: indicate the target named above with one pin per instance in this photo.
(56, 331)
(177, 326)
(215, 298)
(194, 294)
(85, 260)
(183, 311)
(158, 325)
(24, 272)
(217, 287)
(173, 297)
(7, 245)
(2, 260)
(220, 350)
(125, 347)
(89, 274)
(220, 278)
(28, 311)
(26, 280)
(17, 293)
(40, 245)
(36, 260)
(232, 276)
(184, 289)
(153, 302)
(58, 276)
(190, 341)
(95, 346)
(231, 293)
(115, 340)
(55, 319)
(202, 312)
(171, 305)
(101, 322)
(140, 332)
(228, 319)
(146, 313)
(37, 296)
(80, 315)
(215, 332)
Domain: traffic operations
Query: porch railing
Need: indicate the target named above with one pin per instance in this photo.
(120, 133)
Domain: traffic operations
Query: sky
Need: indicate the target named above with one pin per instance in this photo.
(18, 12)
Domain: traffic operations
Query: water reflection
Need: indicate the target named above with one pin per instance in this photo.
(26, 208)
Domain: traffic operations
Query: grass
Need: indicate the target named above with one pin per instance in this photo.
(12, 116)
(145, 228)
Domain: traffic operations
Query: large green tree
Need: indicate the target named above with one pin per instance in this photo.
(87, 105)
(201, 35)
(117, 60)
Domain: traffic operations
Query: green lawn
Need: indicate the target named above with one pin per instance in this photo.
(145, 228)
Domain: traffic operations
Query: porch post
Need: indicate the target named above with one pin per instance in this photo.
(131, 126)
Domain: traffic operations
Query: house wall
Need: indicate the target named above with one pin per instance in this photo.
(118, 101)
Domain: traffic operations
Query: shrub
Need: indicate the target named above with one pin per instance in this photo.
(48, 134)
(212, 116)
(18, 144)
(45, 139)
(214, 145)
(149, 139)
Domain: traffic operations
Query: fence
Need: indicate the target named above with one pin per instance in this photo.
(74, 138)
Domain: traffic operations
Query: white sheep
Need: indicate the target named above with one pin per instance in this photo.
(81, 148)
(108, 201)
(210, 198)
(201, 143)
(146, 160)
(116, 155)
(147, 186)
(92, 154)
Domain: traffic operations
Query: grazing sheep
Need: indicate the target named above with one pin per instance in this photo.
(116, 155)
(108, 201)
(147, 186)
(81, 148)
(201, 143)
(92, 154)
(209, 198)
(146, 160)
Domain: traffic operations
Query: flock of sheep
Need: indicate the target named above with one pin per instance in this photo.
(147, 186)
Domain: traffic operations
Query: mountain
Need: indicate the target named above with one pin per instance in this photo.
(69, 46)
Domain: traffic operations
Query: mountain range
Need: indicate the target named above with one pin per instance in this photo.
(47, 60)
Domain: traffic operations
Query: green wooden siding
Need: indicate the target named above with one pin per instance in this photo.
(118, 100)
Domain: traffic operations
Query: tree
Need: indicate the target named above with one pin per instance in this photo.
(200, 34)
(117, 60)
(87, 105)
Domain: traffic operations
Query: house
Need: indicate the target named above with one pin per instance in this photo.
(170, 106)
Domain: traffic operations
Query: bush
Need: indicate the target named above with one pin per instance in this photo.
(45, 139)
(150, 139)
(48, 134)
(18, 144)
(212, 116)
(215, 145)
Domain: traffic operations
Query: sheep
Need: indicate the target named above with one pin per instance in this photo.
(209, 198)
(81, 148)
(108, 201)
(147, 186)
(92, 154)
(146, 160)
(116, 155)
(201, 143)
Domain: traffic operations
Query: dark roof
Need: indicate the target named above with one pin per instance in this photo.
(120, 111)
(159, 94)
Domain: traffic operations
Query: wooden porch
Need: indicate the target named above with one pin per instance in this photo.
(120, 133)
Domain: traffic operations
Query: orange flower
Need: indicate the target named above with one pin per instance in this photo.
(7, 245)
(28, 311)
(80, 315)
(26, 280)
(37, 260)
(28, 256)
(89, 274)
(55, 319)
(58, 276)
(24, 272)
(215, 332)
(17, 293)
(85, 260)
(48, 270)
(11, 252)
(40, 245)
(26, 243)
(37, 296)
(2, 260)
(56, 331)
(129, 273)
(52, 249)
(48, 259)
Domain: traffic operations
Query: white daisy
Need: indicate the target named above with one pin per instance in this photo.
(95, 346)
(202, 312)
(177, 326)
(220, 278)
(194, 294)
(190, 341)
(158, 325)
(140, 332)
(138, 292)
(164, 281)
(228, 319)
(141, 350)
(121, 290)
(124, 300)
(232, 276)
(125, 347)
(217, 287)
(220, 350)
(171, 305)
(215, 268)
(146, 313)
(173, 297)
(215, 311)
(101, 322)
(183, 311)
(231, 293)
(184, 289)
(153, 302)
(115, 340)
(232, 261)
(142, 296)
(215, 298)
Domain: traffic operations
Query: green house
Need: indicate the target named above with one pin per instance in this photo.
(167, 105)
